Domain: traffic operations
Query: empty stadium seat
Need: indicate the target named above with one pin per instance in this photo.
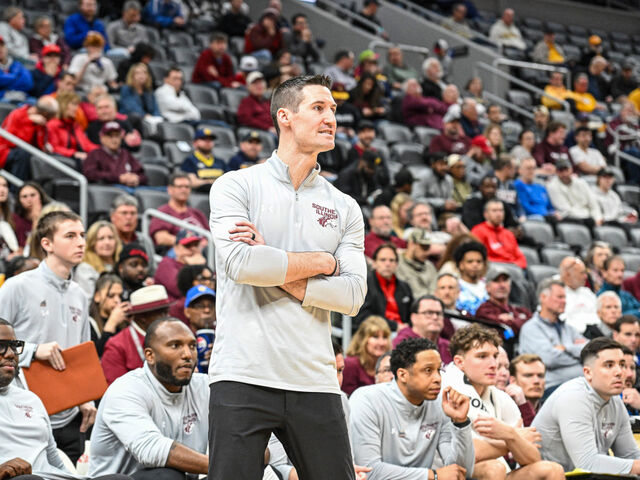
(556, 27)
(149, 149)
(100, 198)
(211, 112)
(407, 153)
(202, 94)
(531, 254)
(510, 132)
(541, 232)
(157, 175)
(566, 118)
(631, 261)
(553, 256)
(424, 135)
(174, 154)
(537, 273)
(174, 132)
(574, 234)
(183, 56)
(394, 133)
(232, 97)
(200, 201)
(151, 198)
(614, 236)
(577, 30)
(629, 194)
(178, 38)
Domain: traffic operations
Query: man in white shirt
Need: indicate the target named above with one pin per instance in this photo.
(505, 33)
(580, 310)
(173, 103)
(588, 161)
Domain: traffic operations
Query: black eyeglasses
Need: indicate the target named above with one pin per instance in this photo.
(16, 345)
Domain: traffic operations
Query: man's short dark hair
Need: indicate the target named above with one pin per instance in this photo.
(289, 94)
(404, 355)
(340, 54)
(581, 130)
(218, 37)
(435, 156)
(48, 225)
(625, 320)
(415, 306)
(503, 160)
(172, 68)
(525, 358)
(626, 350)
(152, 330)
(390, 246)
(175, 176)
(491, 201)
(522, 134)
(467, 247)
(296, 17)
(473, 336)
(597, 345)
(403, 177)
(553, 127)
(337, 348)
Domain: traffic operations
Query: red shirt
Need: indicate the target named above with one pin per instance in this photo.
(167, 275)
(501, 244)
(67, 138)
(373, 241)
(389, 290)
(19, 124)
(491, 311)
(442, 343)
(121, 355)
(222, 64)
(255, 113)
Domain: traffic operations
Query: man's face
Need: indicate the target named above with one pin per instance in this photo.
(615, 273)
(494, 114)
(480, 364)
(447, 290)
(470, 111)
(610, 310)
(386, 263)
(434, 72)
(172, 356)
(629, 371)
(133, 270)
(88, 8)
(420, 253)
(605, 373)
(204, 145)
(395, 57)
(183, 252)
(440, 167)
(125, 219)
(471, 266)
(131, 16)
(300, 24)
(458, 171)
(251, 148)
(575, 274)
(423, 379)
(527, 170)
(384, 373)
(459, 13)
(68, 242)
(218, 47)
(452, 129)
(629, 335)
(201, 312)
(488, 188)
(494, 213)
(557, 137)
(180, 190)
(421, 217)
(429, 320)
(106, 110)
(581, 85)
(499, 288)
(314, 124)
(67, 84)
(381, 222)
(507, 16)
(8, 360)
(583, 138)
(556, 80)
(257, 87)
(111, 140)
(502, 371)
(564, 174)
(366, 136)
(530, 377)
(600, 254)
(174, 79)
(555, 300)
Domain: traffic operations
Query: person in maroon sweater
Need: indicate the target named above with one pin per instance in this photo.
(381, 231)
(427, 321)
(185, 252)
(632, 285)
(527, 372)
(264, 36)
(419, 110)
(498, 309)
(369, 343)
(552, 148)
(254, 109)
(124, 351)
(452, 139)
(112, 164)
(214, 66)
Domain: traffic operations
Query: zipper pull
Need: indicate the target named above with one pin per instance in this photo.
(296, 195)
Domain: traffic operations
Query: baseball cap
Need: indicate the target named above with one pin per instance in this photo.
(369, 2)
(364, 124)
(454, 159)
(50, 49)
(482, 142)
(109, 127)
(441, 45)
(368, 55)
(147, 299)
(204, 133)
(248, 63)
(495, 271)
(562, 164)
(420, 236)
(132, 250)
(452, 115)
(196, 292)
(254, 76)
(185, 237)
(595, 40)
(251, 136)
(605, 172)
(372, 157)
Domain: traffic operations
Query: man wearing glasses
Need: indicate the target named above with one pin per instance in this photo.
(427, 321)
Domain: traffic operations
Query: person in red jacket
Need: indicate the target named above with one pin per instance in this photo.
(254, 109)
(29, 124)
(501, 244)
(214, 66)
(65, 135)
(264, 38)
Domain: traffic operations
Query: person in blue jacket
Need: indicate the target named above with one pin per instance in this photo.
(163, 14)
(79, 24)
(533, 196)
(14, 77)
(613, 274)
(136, 96)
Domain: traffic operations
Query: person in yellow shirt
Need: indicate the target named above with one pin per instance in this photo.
(556, 89)
(547, 51)
(634, 97)
(585, 102)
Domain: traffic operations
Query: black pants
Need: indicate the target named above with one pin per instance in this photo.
(19, 163)
(70, 440)
(311, 427)
(115, 476)
(158, 474)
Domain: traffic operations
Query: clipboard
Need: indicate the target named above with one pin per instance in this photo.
(82, 381)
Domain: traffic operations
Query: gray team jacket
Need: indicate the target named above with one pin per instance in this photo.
(578, 428)
(264, 336)
(138, 420)
(399, 440)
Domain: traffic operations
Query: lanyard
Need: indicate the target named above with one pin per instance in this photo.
(136, 341)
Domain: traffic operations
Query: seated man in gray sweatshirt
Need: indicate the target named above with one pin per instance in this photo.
(397, 427)
(585, 417)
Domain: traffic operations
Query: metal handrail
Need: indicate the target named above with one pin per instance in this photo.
(11, 178)
(373, 44)
(535, 66)
(626, 157)
(58, 165)
(507, 76)
(152, 212)
(351, 15)
(505, 103)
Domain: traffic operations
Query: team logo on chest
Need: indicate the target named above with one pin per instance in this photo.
(188, 421)
(76, 313)
(327, 217)
(27, 409)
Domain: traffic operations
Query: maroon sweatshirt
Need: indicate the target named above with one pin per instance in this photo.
(103, 166)
(449, 145)
(254, 112)
(544, 152)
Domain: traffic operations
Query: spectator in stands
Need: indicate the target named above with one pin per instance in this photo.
(526, 142)
(15, 79)
(478, 159)
(504, 170)
(630, 284)
(599, 86)
(573, 421)
(368, 96)
(588, 161)
(462, 189)
(505, 33)
(581, 308)
(133, 268)
(235, 20)
(473, 208)
(533, 196)
(106, 112)
(584, 101)
(447, 291)
(436, 184)
(497, 308)
(214, 66)
(557, 89)
(201, 166)
(493, 134)
(475, 89)
(387, 296)
(253, 110)
(190, 276)
(396, 70)
(92, 67)
(123, 352)
(613, 274)
(173, 102)
(179, 189)
(414, 266)
(342, 69)
(402, 183)
(593, 49)
(124, 216)
(9, 246)
(598, 252)
(249, 152)
(369, 343)
(494, 415)
(186, 251)
(200, 310)
(12, 30)
(101, 255)
(169, 444)
(29, 124)
(108, 313)
(501, 243)
(546, 334)
(80, 24)
(163, 14)
(420, 215)
(527, 372)
(363, 177)
(400, 205)
(541, 119)
(142, 53)
(613, 211)
(368, 12)
(469, 118)
(347, 115)
(451, 140)
(457, 22)
(548, 152)
(50, 313)
(471, 260)
(547, 50)
(31, 198)
(264, 39)
(381, 231)
(137, 100)
(609, 311)
(44, 35)
(626, 331)
(127, 31)
(432, 84)
(300, 42)
(572, 197)
(47, 72)
(624, 82)
(415, 365)
(383, 369)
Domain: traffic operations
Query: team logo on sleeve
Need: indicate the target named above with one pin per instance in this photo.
(327, 217)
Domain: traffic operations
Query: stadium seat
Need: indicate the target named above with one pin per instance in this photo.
(556, 27)
(148, 149)
(510, 132)
(225, 153)
(424, 135)
(579, 41)
(153, 35)
(232, 97)
(157, 175)
(620, 37)
(202, 94)
(617, 173)
(574, 234)
(394, 133)
(100, 198)
(178, 39)
(631, 261)
(622, 47)
(541, 232)
(158, 69)
(629, 194)
(531, 254)
(533, 23)
(614, 236)
(211, 112)
(268, 142)
(151, 198)
(174, 154)
(224, 136)
(42, 172)
(200, 201)
(577, 30)
(407, 153)
(572, 52)
(183, 55)
(537, 273)
(341, 144)
(566, 118)
(174, 132)
(635, 235)
(67, 191)
(382, 148)
(553, 256)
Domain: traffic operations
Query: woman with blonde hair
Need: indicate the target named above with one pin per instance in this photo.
(400, 205)
(370, 342)
(493, 133)
(136, 96)
(101, 254)
(66, 136)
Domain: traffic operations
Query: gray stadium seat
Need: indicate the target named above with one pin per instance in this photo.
(200, 201)
(424, 135)
(541, 232)
(629, 194)
(510, 131)
(514, 270)
(174, 154)
(407, 153)
(520, 98)
(157, 175)
(614, 236)
(532, 255)
(202, 94)
(173, 132)
(225, 137)
(574, 234)
(631, 261)
(553, 256)
(149, 149)
(394, 133)
(151, 198)
(232, 97)
(101, 196)
(178, 38)
(566, 118)
(211, 112)
(537, 273)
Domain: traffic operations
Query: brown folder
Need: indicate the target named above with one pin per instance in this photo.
(82, 381)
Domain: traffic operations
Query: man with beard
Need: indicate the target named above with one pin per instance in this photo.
(153, 420)
(201, 166)
(381, 231)
(132, 268)
(436, 184)
(527, 371)
(363, 177)
(414, 266)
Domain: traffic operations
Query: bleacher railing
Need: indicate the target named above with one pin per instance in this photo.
(380, 45)
(11, 178)
(152, 212)
(535, 66)
(56, 164)
(344, 13)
